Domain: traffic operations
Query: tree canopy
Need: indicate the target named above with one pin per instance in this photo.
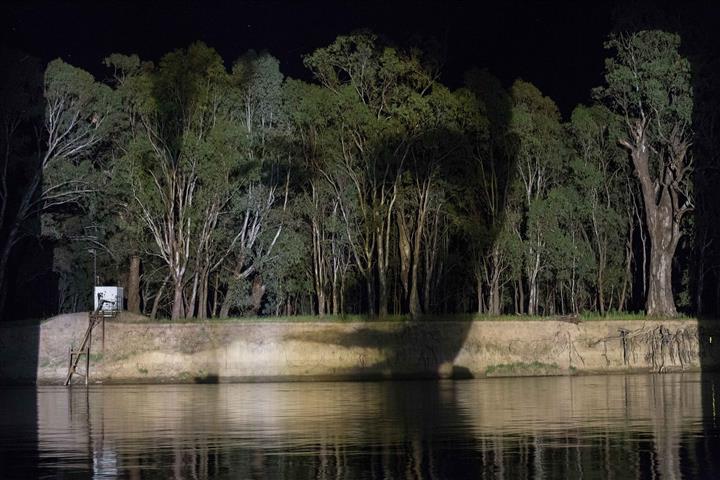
(374, 188)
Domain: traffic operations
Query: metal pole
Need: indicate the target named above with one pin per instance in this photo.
(70, 355)
(87, 359)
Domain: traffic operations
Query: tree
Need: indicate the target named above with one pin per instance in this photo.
(78, 115)
(600, 175)
(177, 133)
(648, 85)
(488, 169)
(263, 184)
(430, 182)
(199, 168)
(380, 94)
(540, 154)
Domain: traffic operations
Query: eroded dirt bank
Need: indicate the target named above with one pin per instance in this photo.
(220, 352)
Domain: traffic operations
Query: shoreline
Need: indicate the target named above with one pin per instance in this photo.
(240, 352)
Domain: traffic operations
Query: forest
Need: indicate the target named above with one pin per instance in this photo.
(211, 187)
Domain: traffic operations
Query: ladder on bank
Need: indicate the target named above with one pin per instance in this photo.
(95, 318)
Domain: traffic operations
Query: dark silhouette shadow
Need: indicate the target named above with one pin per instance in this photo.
(413, 349)
(421, 348)
(698, 28)
(207, 379)
(19, 353)
(29, 289)
(19, 452)
(453, 160)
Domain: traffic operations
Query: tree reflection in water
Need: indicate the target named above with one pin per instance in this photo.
(564, 427)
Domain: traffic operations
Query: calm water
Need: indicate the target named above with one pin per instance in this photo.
(639, 426)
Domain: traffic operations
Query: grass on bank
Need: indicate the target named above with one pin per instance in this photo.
(525, 369)
(127, 317)
(351, 318)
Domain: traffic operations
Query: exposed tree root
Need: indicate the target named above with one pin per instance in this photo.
(659, 347)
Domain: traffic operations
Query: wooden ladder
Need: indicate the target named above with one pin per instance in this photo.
(96, 317)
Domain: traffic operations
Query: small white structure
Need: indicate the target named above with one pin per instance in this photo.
(113, 297)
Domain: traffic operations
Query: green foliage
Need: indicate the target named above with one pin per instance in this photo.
(600, 175)
(648, 77)
(536, 123)
(521, 368)
(648, 84)
(80, 116)
(244, 181)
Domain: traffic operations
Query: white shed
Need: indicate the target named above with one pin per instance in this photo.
(113, 297)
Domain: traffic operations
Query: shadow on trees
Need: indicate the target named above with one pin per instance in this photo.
(31, 292)
(29, 287)
(418, 349)
(696, 26)
(449, 158)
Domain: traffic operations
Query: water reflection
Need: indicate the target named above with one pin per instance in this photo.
(642, 426)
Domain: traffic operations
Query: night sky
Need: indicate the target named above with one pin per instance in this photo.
(555, 45)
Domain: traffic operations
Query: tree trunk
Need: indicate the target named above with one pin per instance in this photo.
(202, 307)
(190, 310)
(226, 305)
(320, 302)
(335, 293)
(533, 295)
(601, 292)
(627, 278)
(428, 290)
(215, 296)
(178, 308)
(494, 303)
(343, 277)
(382, 231)
(414, 299)
(158, 297)
(495, 272)
(134, 285)
(662, 218)
(666, 197)
(256, 295)
(660, 300)
(318, 266)
(370, 294)
(404, 244)
(382, 277)
(643, 240)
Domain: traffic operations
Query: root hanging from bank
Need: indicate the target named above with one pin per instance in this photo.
(659, 347)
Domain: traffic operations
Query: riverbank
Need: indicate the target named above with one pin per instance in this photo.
(134, 351)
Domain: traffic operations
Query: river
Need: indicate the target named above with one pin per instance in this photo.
(618, 426)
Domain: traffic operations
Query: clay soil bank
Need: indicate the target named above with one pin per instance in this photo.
(142, 352)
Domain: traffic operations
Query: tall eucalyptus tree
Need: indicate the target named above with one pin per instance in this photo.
(648, 83)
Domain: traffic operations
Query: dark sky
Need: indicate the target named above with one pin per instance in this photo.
(556, 45)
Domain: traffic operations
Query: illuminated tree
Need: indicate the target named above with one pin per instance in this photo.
(648, 85)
